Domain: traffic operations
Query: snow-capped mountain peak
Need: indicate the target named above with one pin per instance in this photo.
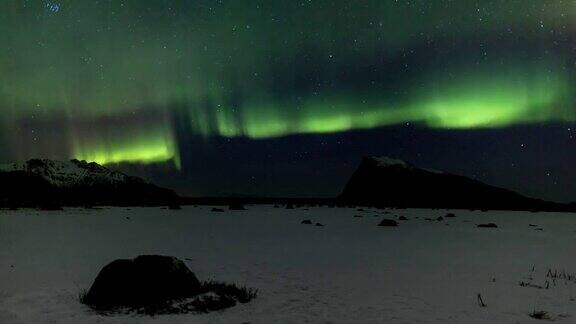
(69, 173)
(384, 161)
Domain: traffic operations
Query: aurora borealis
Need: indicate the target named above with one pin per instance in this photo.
(152, 81)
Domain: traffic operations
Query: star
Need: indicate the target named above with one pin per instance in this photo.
(53, 7)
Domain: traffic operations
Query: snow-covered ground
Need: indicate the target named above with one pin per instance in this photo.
(349, 271)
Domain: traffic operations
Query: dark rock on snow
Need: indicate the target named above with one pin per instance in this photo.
(145, 280)
(50, 207)
(217, 210)
(489, 225)
(306, 222)
(236, 207)
(388, 222)
(154, 284)
(403, 218)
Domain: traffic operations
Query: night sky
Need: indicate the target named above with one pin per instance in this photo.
(283, 98)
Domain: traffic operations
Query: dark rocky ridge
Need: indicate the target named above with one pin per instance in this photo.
(37, 183)
(381, 181)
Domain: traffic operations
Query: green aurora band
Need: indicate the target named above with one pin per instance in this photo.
(90, 61)
(483, 101)
(149, 148)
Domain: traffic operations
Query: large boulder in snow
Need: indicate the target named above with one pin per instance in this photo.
(145, 280)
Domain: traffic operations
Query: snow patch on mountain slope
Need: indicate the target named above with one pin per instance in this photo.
(384, 161)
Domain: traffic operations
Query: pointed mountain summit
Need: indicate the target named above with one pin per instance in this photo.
(383, 181)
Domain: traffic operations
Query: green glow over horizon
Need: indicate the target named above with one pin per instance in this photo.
(117, 77)
(151, 149)
(498, 99)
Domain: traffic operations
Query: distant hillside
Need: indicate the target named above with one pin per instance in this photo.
(47, 182)
(390, 182)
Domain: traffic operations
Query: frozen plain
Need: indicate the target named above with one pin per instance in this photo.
(348, 271)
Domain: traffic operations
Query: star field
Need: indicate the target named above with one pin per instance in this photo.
(192, 83)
